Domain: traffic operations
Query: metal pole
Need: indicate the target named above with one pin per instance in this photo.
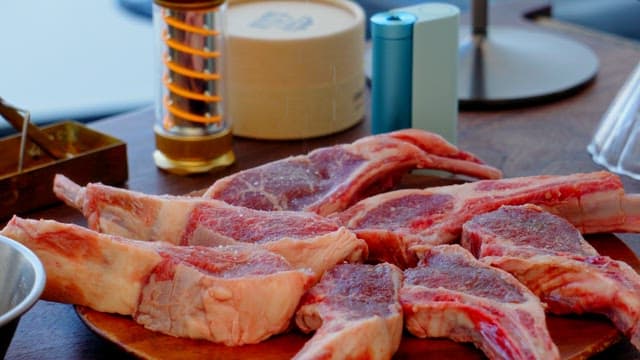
(479, 18)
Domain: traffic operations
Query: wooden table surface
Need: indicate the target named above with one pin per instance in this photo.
(547, 138)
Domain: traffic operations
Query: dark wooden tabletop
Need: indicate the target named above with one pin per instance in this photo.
(548, 138)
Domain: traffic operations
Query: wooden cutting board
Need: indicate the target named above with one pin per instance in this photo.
(576, 337)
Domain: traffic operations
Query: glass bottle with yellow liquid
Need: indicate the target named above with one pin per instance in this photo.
(192, 133)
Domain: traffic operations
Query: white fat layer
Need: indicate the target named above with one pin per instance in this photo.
(203, 236)
(234, 312)
(172, 220)
(373, 338)
(320, 253)
(115, 220)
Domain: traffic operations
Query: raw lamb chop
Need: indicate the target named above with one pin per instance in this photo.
(400, 223)
(304, 239)
(330, 179)
(355, 311)
(551, 257)
(451, 294)
(233, 295)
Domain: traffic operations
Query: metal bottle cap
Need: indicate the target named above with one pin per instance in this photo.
(189, 4)
(392, 25)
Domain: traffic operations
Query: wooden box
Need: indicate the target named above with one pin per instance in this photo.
(91, 157)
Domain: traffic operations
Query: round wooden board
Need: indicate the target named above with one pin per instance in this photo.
(576, 337)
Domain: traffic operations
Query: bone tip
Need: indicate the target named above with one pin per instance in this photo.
(68, 191)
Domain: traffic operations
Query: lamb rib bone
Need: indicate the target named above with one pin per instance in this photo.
(233, 295)
(451, 294)
(398, 224)
(548, 255)
(355, 312)
(330, 179)
(304, 239)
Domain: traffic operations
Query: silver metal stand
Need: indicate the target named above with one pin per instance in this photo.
(510, 66)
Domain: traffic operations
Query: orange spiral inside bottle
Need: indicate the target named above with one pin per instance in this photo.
(191, 131)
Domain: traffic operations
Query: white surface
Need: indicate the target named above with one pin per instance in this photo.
(286, 20)
(74, 59)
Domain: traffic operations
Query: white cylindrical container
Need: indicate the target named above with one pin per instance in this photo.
(295, 67)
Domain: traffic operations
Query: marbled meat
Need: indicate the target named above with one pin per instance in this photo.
(450, 294)
(233, 295)
(331, 179)
(550, 256)
(355, 313)
(398, 224)
(304, 239)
